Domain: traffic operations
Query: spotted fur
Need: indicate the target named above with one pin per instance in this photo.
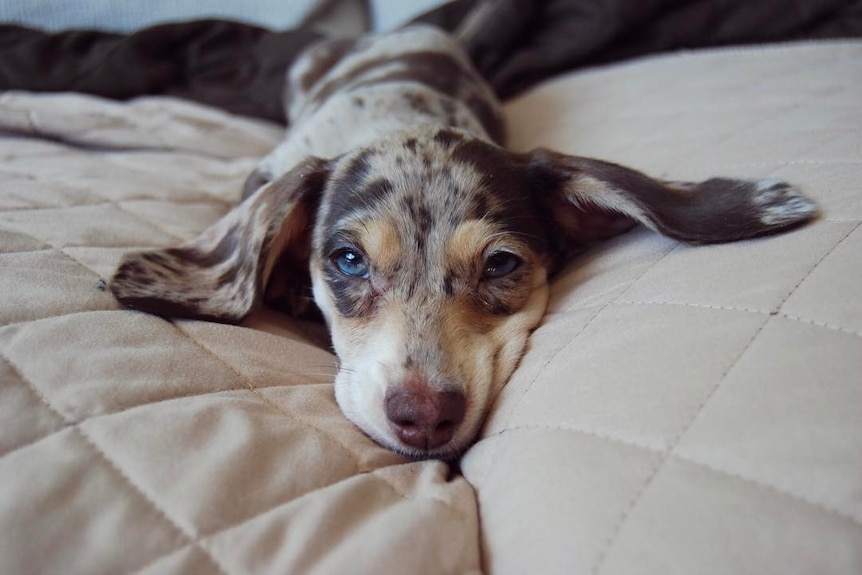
(394, 156)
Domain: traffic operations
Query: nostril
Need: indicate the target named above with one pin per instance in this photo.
(452, 406)
(444, 431)
(402, 422)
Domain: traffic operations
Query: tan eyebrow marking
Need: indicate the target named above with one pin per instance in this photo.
(468, 240)
(382, 243)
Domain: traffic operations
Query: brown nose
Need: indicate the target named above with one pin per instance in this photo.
(425, 420)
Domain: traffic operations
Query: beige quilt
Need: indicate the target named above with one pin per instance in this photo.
(681, 410)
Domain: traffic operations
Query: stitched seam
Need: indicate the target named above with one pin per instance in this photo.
(22, 252)
(35, 319)
(776, 164)
(696, 305)
(110, 157)
(152, 225)
(132, 215)
(604, 553)
(728, 170)
(817, 264)
(574, 310)
(586, 326)
(401, 493)
(89, 440)
(602, 308)
(602, 556)
(250, 386)
(199, 543)
(583, 431)
(52, 249)
(70, 422)
(192, 540)
(750, 50)
(192, 537)
(65, 423)
(77, 261)
(176, 527)
(455, 510)
(177, 396)
(36, 441)
(785, 315)
(373, 473)
(295, 417)
(820, 324)
(155, 560)
(49, 248)
(68, 145)
(203, 202)
(821, 506)
(799, 498)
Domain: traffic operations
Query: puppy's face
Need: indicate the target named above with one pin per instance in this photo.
(428, 262)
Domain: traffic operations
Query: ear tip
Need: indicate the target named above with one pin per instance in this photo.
(136, 286)
(140, 286)
(129, 277)
(133, 287)
(781, 204)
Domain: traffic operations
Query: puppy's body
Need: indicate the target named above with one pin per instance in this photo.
(427, 246)
(344, 95)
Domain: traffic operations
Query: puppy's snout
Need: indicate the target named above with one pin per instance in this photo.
(425, 420)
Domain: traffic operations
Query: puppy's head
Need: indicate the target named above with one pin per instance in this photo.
(429, 261)
(428, 255)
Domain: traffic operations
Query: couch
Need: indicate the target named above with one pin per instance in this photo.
(680, 410)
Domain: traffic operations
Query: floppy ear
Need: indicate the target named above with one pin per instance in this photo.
(579, 190)
(225, 272)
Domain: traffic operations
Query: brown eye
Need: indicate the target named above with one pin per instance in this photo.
(500, 264)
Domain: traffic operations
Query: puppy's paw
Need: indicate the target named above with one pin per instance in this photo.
(779, 204)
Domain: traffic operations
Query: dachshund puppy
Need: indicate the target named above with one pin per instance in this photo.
(427, 246)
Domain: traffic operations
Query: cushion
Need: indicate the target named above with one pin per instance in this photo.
(680, 410)
(693, 409)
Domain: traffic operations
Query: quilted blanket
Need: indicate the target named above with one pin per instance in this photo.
(680, 410)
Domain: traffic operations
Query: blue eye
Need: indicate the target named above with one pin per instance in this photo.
(500, 264)
(351, 263)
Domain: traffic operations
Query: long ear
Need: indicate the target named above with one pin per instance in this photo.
(224, 273)
(717, 210)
